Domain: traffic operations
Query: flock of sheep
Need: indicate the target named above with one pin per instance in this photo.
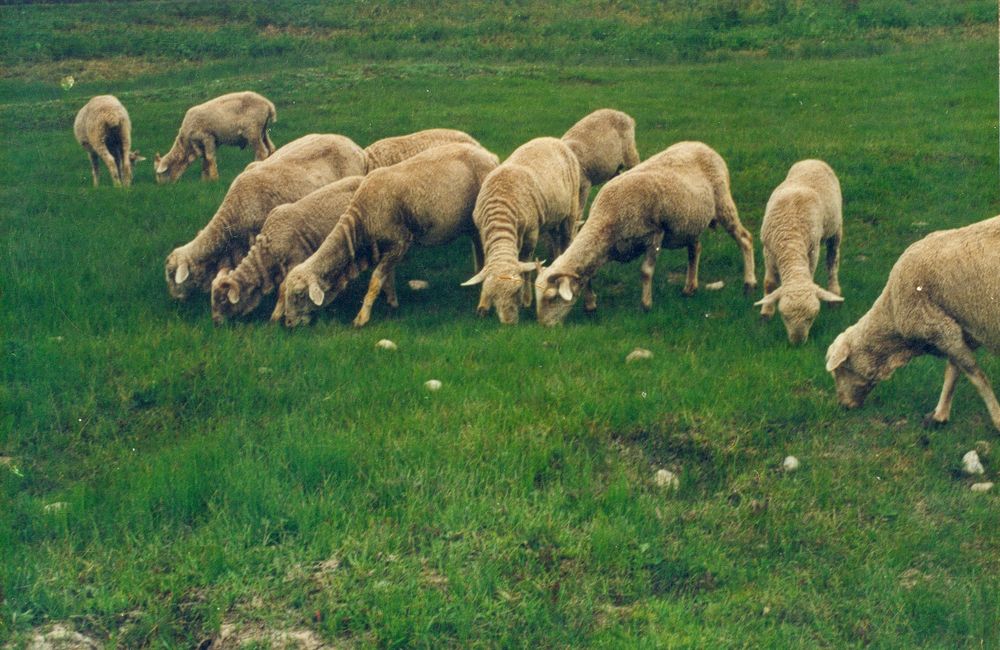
(307, 218)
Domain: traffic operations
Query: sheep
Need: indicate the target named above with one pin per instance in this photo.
(389, 151)
(291, 233)
(104, 130)
(604, 143)
(535, 190)
(668, 200)
(802, 213)
(942, 298)
(238, 119)
(426, 200)
(296, 169)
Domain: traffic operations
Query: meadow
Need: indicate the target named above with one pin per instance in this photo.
(161, 478)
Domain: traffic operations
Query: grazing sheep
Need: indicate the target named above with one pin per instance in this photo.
(291, 233)
(389, 151)
(103, 128)
(668, 200)
(802, 213)
(426, 200)
(535, 190)
(298, 168)
(604, 143)
(238, 119)
(942, 298)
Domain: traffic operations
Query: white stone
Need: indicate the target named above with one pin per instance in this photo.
(58, 506)
(418, 285)
(982, 487)
(715, 286)
(790, 464)
(432, 384)
(666, 479)
(971, 463)
(638, 354)
(385, 344)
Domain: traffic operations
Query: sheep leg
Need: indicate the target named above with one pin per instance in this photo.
(109, 160)
(942, 411)
(584, 195)
(260, 150)
(126, 163)
(589, 298)
(694, 255)
(95, 167)
(389, 289)
(209, 168)
(478, 256)
(528, 245)
(647, 268)
(728, 217)
(949, 339)
(267, 141)
(833, 263)
(385, 268)
(772, 278)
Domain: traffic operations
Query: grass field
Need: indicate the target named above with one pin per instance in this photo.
(303, 480)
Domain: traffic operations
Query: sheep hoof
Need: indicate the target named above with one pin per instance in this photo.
(646, 306)
(749, 288)
(931, 422)
(689, 291)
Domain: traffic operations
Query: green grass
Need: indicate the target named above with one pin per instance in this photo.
(209, 471)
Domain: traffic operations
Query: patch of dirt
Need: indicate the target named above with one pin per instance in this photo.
(61, 637)
(83, 70)
(233, 636)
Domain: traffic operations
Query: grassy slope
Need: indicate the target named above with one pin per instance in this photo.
(208, 470)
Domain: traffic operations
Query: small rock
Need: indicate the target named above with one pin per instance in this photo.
(418, 285)
(971, 463)
(432, 384)
(57, 506)
(982, 487)
(666, 479)
(385, 344)
(638, 354)
(790, 464)
(715, 286)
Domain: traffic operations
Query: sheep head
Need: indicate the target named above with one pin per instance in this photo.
(798, 305)
(555, 293)
(183, 275)
(230, 298)
(501, 290)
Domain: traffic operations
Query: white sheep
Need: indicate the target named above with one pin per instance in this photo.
(291, 233)
(604, 143)
(104, 130)
(296, 169)
(802, 213)
(389, 151)
(942, 298)
(426, 200)
(536, 190)
(667, 200)
(237, 119)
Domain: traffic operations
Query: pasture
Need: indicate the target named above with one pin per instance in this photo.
(303, 480)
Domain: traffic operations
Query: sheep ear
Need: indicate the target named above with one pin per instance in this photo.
(769, 299)
(156, 158)
(838, 352)
(234, 293)
(565, 290)
(316, 294)
(476, 279)
(828, 296)
(528, 267)
(182, 274)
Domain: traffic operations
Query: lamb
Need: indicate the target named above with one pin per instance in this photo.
(803, 211)
(389, 151)
(668, 200)
(426, 200)
(535, 190)
(238, 119)
(942, 298)
(291, 233)
(104, 130)
(296, 169)
(604, 143)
